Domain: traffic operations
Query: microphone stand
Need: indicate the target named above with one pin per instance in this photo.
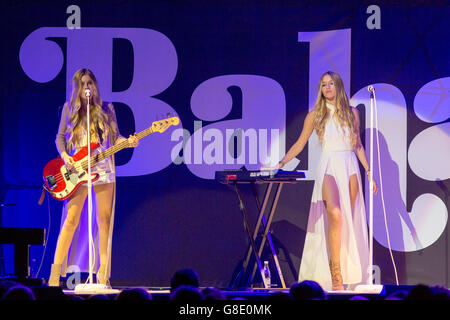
(90, 286)
(370, 287)
(370, 280)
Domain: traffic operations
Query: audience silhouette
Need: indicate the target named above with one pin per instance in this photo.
(307, 290)
(186, 276)
(186, 293)
(19, 292)
(135, 294)
(184, 286)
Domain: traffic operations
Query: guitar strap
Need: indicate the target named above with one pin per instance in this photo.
(41, 199)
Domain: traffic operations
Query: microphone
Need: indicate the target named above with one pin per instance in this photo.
(87, 92)
(371, 90)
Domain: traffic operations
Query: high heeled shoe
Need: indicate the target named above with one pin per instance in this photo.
(336, 277)
(101, 275)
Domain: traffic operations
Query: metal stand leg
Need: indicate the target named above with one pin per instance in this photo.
(258, 223)
(267, 232)
(252, 242)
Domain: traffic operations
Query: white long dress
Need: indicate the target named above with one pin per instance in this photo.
(339, 161)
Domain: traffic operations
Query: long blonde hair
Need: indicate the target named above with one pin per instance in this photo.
(345, 116)
(101, 121)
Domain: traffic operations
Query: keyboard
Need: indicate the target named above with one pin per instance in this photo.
(257, 176)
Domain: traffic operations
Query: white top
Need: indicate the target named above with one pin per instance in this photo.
(335, 137)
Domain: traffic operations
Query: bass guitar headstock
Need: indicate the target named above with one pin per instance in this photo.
(164, 124)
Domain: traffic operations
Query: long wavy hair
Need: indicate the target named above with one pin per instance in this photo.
(344, 114)
(100, 124)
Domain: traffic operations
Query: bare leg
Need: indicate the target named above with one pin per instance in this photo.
(354, 188)
(104, 194)
(330, 195)
(74, 207)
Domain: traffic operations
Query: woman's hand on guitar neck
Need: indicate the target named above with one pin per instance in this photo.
(133, 141)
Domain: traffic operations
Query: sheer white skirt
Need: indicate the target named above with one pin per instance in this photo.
(354, 254)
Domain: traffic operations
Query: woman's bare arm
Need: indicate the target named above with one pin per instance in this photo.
(297, 147)
(359, 149)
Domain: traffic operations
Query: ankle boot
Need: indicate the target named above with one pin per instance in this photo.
(101, 275)
(53, 280)
(336, 277)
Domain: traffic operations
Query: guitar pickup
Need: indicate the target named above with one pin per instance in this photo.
(51, 182)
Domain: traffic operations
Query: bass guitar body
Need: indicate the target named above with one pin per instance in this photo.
(61, 182)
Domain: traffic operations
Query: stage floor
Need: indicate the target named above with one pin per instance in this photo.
(248, 294)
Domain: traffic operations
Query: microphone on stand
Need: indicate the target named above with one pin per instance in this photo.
(89, 286)
(371, 90)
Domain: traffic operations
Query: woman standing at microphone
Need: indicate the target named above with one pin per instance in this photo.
(336, 246)
(71, 137)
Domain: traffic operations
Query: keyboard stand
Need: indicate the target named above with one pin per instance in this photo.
(266, 234)
(266, 226)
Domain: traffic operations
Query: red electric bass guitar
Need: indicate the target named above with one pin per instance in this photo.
(61, 183)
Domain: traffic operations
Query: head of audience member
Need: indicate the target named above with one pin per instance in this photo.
(135, 294)
(19, 293)
(213, 294)
(186, 293)
(307, 290)
(440, 293)
(5, 285)
(420, 292)
(188, 277)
